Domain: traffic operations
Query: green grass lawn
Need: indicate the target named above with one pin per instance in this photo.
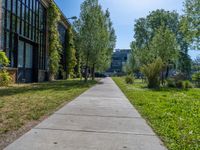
(24, 103)
(173, 114)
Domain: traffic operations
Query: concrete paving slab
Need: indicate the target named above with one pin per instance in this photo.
(103, 103)
(102, 118)
(99, 111)
(97, 124)
(70, 140)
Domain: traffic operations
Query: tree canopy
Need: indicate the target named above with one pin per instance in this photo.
(96, 36)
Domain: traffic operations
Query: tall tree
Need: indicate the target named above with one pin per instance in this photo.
(145, 29)
(164, 46)
(94, 36)
(192, 10)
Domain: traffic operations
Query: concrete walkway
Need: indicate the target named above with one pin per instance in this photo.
(100, 119)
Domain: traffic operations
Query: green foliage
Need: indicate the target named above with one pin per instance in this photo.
(187, 84)
(171, 83)
(70, 53)
(5, 78)
(129, 79)
(54, 41)
(95, 35)
(172, 24)
(192, 10)
(152, 72)
(172, 113)
(164, 45)
(196, 78)
(4, 61)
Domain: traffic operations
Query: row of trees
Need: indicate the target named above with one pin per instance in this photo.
(90, 42)
(95, 38)
(162, 40)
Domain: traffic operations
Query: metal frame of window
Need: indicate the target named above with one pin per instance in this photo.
(24, 19)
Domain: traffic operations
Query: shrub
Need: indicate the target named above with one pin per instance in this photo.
(179, 84)
(188, 84)
(152, 72)
(4, 61)
(171, 83)
(129, 79)
(5, 78)
(196, 79)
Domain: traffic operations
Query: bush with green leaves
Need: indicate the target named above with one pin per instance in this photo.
(171, 83)
(4, 61)
(196, 79)
(5, 78)
(181, 84)
(129, 79)
(152, 73)
(187, 84)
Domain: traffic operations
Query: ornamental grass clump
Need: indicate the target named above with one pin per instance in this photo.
(152, 73)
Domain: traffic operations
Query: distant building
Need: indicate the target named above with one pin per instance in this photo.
(119, 58)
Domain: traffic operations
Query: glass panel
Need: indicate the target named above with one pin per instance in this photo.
(21, 54)
(8, 20)
(29, 57)
(9, 4)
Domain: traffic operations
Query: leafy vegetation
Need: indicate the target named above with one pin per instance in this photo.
(23, 103)
(70, 53)
(5, 78)
(174, 114)
(196, 78)
(192, 13)
(54, 40)
(129, 79)
(95, 36)
(4, 61)
(152, 72)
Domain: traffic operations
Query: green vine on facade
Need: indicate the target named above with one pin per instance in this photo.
(70, 53)
(54, 41)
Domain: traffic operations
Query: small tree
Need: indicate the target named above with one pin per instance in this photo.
(54, 41)
(152, 73)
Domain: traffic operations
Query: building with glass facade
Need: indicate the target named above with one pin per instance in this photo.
(119, 58)
(24, 37)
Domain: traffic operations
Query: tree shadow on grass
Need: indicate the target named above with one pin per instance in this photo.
(62, 85)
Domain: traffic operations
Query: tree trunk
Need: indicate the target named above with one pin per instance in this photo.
(93, 72)
(86, 73)
(167, 72)
(162, 78)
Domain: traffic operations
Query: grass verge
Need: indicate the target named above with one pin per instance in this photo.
(22, 104)
(173, 114)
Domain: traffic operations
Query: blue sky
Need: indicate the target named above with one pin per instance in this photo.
(124, 13)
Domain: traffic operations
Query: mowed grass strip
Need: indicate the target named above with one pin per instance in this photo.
(173, 114)
(21, 104)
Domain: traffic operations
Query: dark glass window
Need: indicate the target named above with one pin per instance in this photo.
(26, 18)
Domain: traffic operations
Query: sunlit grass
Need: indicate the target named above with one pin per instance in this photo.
(173, 114)
(23, 103)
